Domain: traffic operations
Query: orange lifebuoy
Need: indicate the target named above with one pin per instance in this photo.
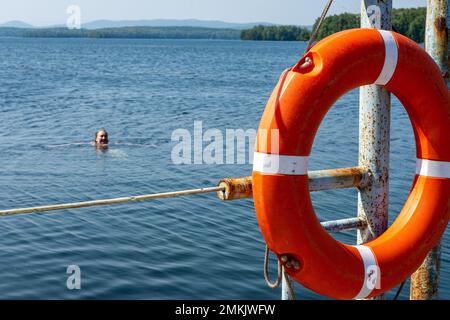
(304, 94)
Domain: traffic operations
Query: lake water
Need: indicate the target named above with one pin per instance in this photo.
(55, 93)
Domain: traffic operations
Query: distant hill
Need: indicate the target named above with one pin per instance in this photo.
(151, 29)
(12, 32)
(135, 33)
(16, 24)
(100, 24)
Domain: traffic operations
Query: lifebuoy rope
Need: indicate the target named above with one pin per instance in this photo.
(277, 282)
(319, 25)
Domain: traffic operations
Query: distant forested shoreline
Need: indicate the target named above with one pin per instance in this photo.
(409, 22)
(276, 33)
(126, 32)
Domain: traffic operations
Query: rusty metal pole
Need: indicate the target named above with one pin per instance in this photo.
(320, 180)
(374, 135)
(425, 281)
(285, 287)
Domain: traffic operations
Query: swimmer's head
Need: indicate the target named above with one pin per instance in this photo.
(101, 137)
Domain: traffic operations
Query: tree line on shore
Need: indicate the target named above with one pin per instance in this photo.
(126, 32)
(409, 22)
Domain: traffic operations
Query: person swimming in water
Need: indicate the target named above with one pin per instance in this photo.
(101, 138)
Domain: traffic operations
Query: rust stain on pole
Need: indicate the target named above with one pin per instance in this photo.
(436, 34)
(440, 24)
(236, 188)
(374, 135)
(425, 281)
(338, 179)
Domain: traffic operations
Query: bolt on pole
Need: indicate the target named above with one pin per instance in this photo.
(374, 135)
(425, 281)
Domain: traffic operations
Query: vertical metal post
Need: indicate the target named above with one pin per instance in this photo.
(284, 288)
(425, 281)
(374, 135)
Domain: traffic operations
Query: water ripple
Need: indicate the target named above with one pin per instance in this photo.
(54, 94)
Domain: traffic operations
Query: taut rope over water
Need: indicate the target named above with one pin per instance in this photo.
(111, 201)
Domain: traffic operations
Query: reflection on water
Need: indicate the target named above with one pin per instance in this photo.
(117, 153)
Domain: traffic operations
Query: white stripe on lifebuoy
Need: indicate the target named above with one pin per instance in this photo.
(280, 164)
(390, 60)
(288, 82)
(431, 168)
(371, 272)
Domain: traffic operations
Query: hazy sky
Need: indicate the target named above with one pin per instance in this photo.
(304, 12)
